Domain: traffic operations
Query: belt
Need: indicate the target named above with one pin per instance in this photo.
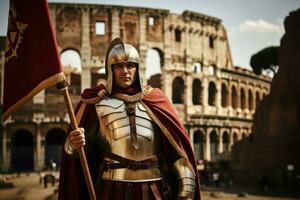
(151, 162)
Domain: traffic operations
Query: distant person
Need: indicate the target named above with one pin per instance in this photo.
(216, 178)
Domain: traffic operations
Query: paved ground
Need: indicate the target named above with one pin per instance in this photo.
(240, 193)
(28, 187)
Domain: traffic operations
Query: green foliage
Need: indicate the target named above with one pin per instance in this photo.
(266, 59)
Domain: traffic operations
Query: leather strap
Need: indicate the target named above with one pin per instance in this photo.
(130, 108)
(151, 162)
(155, 190)
(145, 191)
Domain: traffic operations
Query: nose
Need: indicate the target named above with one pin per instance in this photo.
(124, 69)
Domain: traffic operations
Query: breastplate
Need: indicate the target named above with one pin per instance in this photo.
(115, 128)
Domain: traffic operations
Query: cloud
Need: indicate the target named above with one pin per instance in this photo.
(260, 26)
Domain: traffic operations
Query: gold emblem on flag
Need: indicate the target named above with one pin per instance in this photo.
(14, 34)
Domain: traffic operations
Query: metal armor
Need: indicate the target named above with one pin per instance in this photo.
(115, 127)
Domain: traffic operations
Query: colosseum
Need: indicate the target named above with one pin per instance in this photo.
(215, 99)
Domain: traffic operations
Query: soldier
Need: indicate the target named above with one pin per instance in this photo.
(136, 146)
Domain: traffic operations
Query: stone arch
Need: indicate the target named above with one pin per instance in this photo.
(234, 137)
(257, 97)
(226, 141)
(211, 69)
(211, 41)
(199, 145)
(197, 92)
(244, 135)
(264, 93)
(71, 58)
(53, 144)
(213, 145)
(22, 148)
(178, 90)
(212, 94)
(250, 100)
(224, 91)
(178, 34)
(243, 98)
(197, 67)
(154, 63)
(234, 97)
(161, 56)
(71, 62)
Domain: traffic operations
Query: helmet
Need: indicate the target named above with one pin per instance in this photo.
(119, 52)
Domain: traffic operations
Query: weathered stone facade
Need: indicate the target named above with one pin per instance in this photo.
(215, 100)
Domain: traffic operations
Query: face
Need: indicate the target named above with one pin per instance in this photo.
(124, 74)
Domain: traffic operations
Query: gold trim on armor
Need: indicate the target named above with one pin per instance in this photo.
(102, 94)
(133, 181)
(129, 98)
(136, 97)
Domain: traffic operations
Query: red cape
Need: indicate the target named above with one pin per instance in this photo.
(72, 183)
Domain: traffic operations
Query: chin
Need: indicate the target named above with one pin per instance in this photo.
(125, 86)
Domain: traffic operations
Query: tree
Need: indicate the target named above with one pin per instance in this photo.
(265, 59)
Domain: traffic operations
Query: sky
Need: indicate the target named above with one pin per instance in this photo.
(251, 24)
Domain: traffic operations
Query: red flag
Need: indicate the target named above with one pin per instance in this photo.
(31, 59)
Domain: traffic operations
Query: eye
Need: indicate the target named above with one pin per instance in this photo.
(118, 67)
(131, 66)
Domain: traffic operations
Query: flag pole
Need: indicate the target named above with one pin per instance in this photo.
(62, 86)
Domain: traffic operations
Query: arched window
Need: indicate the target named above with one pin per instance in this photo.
(257, 96)
(257, 99)
(234, 97)
(178, 90)
(212, 94)
(53, 142)
(197, 68)
(244, 135)
(224, 96)
(211, 42)
(211, 70)
(71, 63)
(198, 145)
(235, 137)
(70, 58)
(154, 65)
(250, 100)
(177, 35)
(197, 92)
(225, 141)
(22, 151)
(243, 99)
(213, 145)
